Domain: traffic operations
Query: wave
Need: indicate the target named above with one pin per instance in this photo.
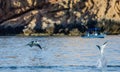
(113, 65)
(52, 67)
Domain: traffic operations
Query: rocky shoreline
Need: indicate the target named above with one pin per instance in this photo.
(58, 17)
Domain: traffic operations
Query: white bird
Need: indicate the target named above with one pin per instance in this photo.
(101, 48)
(34, 43)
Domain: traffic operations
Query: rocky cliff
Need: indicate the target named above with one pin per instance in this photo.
(58, 16)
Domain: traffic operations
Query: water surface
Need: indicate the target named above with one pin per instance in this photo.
(59, 54)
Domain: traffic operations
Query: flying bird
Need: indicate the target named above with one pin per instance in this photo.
(101, 48)
(34, 43)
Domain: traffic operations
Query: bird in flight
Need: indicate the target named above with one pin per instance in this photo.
(34, 43)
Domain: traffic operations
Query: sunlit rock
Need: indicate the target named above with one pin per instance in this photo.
(43, 14)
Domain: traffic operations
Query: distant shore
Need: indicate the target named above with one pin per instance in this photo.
(46, 34)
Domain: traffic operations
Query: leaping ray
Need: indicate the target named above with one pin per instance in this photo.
(101, 48)
(34, 43)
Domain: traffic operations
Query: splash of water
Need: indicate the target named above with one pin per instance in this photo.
(102, 62)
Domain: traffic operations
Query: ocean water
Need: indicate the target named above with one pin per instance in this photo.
(59, 54)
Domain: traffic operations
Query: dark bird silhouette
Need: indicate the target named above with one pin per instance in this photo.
(34, 43)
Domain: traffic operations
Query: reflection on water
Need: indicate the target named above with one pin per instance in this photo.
(59, 54)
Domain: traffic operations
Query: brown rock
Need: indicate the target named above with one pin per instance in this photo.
(30, 16)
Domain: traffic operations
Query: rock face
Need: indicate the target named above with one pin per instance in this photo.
(58, 16)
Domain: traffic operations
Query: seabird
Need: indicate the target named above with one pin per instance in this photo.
(101, 48)
(34, 43)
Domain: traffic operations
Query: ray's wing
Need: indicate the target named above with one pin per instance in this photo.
(103, 46)
(39, 46)
(105, 43)
(29, 45)
(98, 47)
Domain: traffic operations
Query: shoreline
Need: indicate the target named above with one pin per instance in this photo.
(54, 35)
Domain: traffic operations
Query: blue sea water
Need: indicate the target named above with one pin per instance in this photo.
(59, 54)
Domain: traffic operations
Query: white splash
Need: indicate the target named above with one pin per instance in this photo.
(102, 62)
